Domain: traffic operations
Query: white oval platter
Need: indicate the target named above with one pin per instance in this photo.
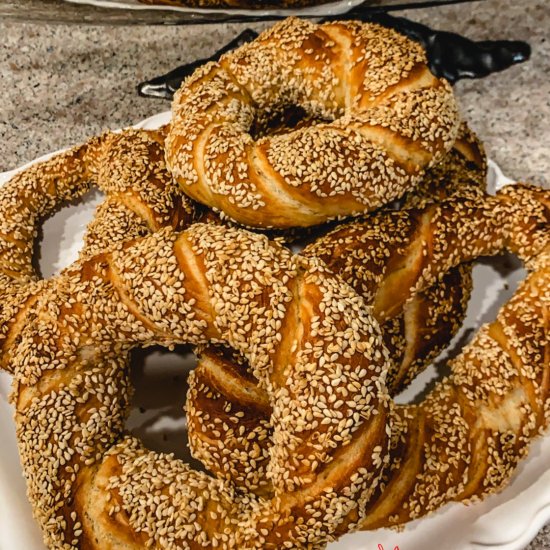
(507, 521)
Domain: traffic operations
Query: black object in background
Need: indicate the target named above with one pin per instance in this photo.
(455, 57)
(450, 55)
(165, 86)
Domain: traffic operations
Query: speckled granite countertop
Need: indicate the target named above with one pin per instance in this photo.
(61, 84)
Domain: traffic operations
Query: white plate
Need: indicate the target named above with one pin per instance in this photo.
(330, 8)
(507, 521)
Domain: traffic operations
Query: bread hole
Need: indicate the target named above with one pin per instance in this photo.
(60, 237)
(280, 121)
(495, 279)
(157, 415)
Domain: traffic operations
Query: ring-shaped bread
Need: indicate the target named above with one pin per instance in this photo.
(93, 486)
(465, 438)
(387, 119)
(308, 337)
(118, 361)
(379, 256)
(140, 197)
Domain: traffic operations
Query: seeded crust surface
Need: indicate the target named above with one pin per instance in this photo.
(380, 257)
(94, 483)
(383, 120)
(464, 440)
(88, 481)
(140, 197)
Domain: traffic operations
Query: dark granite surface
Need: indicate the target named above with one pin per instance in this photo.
(61, 84)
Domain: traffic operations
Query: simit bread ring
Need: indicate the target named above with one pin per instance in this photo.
(387, 120)
(111, 168)
(465, 439)
(378, 258)
(88, 482)
(117, 362)
(92, 486)
(417, 329)
(140, 197)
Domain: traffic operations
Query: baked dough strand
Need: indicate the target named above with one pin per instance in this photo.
(140, 197)
(90, 483)
(465, 439)
(384, 118)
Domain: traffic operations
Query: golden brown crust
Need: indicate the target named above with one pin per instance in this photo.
(480, 421)
(103, 518)
(462, 172)
(314, 348)
(228, 423)
(386, 119)
(141, 197)
(71, 390)
(235, 287)
(430, 439)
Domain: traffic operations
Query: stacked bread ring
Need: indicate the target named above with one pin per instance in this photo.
(290, 408)
(384, 118)
(140, 197)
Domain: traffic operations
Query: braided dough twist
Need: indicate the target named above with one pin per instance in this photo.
(228, 418)
(308, 337)
(50, 306)
(89, 482)
(387, 119)
(141, 197)
(465, 439)
(134, 226)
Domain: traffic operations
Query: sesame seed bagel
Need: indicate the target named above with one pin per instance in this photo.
(301, 329)
(417, 329)
(141, 197)
(465, 439)
(386, 120)
(228, 418)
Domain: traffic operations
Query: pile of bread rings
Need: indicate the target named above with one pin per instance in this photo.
(290, 408)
